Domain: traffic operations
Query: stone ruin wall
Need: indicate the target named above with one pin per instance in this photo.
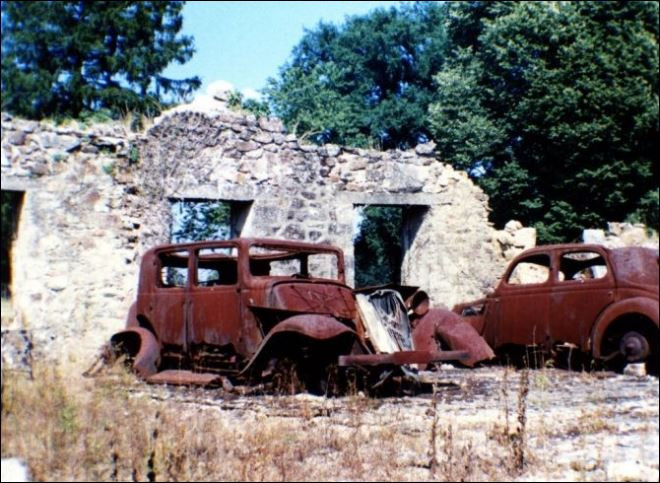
(306, 192)
(75, 253)
(96, 197)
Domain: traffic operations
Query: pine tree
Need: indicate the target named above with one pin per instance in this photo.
(67, 58)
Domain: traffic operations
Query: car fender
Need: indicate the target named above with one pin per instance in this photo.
(319, 327)
(131, 318)
(143, 346)
(457, 333)
(638, 305)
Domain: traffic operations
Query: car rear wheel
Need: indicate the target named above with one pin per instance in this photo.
(632, 346)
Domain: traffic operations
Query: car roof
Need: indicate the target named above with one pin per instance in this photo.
(563, 247)
(246, 243)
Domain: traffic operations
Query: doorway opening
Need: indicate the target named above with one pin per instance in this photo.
(382, 236)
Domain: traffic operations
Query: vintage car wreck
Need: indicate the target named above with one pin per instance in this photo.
(238, 310)
(602, 302)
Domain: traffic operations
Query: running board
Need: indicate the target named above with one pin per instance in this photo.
(189, 378)
(401, 358)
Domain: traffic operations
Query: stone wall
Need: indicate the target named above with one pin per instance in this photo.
(300, 191)
(622, 235)
(73, 261)
(97, 197)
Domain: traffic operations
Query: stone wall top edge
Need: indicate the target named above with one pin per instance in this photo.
(16, 183)
(227, 118)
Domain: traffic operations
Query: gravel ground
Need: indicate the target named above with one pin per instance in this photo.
(491, 423)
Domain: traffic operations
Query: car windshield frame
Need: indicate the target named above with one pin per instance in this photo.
(284, 252)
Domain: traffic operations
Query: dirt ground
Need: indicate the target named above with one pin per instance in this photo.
(486, 424)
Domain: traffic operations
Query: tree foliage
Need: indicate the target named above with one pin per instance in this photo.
(378, 246)
(65, 58)
(553, 107)
(238, 102)
(366, 83)
(200, 220)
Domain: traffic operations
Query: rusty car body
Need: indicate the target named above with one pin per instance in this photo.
(601, 301)
(239, 307)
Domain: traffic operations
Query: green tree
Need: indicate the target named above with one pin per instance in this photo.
(553, 109)
(65, 58)
(365, 83)
(238, 102)
(378, 246)
(200, 220)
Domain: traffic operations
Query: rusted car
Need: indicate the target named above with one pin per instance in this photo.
(603, 302)
(242, 308)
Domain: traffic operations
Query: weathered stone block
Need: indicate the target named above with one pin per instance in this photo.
(357, 164)
(245, 146)
(425, 149)
(271, 124)
(512, 226)
(263, 137)
(17, 138)
(308, 148)
(525, 238)
(257, 153)
(331, 150)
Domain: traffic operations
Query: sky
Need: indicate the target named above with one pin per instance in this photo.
(245, 42)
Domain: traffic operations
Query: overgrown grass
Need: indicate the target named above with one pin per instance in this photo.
(111, 428)
(115, 428)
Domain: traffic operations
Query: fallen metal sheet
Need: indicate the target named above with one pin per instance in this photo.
(402, 358)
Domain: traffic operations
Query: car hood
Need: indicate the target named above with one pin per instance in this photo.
(318, 297)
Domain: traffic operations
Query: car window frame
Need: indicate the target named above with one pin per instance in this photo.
(608, 278)
(514, 264)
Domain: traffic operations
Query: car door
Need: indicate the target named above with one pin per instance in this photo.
(215, 303)
(584, 286)
(165, 304)
(521, 303)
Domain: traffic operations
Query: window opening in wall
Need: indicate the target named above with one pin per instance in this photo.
(204, 219)
(173, 269)
(12, 202)
(383, 234)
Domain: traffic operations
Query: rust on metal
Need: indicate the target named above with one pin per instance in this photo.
(177, 377)
(603, 301)
(233, 308)
(402, 358)
(454, 331)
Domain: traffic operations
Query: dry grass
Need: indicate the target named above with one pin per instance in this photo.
(114, 428)
(109, 429)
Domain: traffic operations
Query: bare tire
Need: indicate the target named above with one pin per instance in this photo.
(632, 347)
